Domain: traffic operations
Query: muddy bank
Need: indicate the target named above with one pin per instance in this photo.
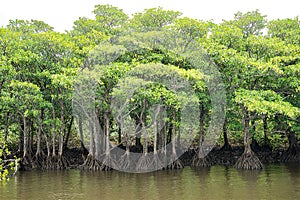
(217, 156)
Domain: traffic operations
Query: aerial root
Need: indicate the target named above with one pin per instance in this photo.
(108, 163)
(201, 161)
(248, 161)
(91, 163)
(124, 162)
(176, 164)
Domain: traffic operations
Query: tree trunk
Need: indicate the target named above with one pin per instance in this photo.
(138, 143)
(156, 162)
(38, 146)
(26, 161)
(248, 159)
(30, 138)
(107, 163)
(25, 141)
(39, 155)
(62, 129)
(247, 136)
(54, 131)
(176, 162)
(267, 145)
(47, 145)
(254, 145)
(119, 135)
(124, 161)
(200, 159)
(83, 149)
(226, 146)
(169, 134)
(21, 137)
(65, 146)
(91, 162)
(291, 154)
(6, 126)
(92, 142)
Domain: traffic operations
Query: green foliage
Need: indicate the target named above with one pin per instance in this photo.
(286, 29)
(266, 102)
(228, 35)
(251, 23)
(153, 19)
(277, 141)
(109, 17)
(32, 26)
(192, 29)
(39, 69)
(7, 166)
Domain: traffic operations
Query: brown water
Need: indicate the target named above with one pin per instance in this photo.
(217, 182)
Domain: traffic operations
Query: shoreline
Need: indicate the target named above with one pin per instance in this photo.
(217, 156)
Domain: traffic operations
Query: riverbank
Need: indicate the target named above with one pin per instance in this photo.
(218, 156)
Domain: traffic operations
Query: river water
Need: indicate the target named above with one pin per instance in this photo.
(217, 182)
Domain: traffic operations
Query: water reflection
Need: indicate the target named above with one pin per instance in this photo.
(217, 182)
(250, 176)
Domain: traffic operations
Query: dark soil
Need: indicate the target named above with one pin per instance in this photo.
(217, 156)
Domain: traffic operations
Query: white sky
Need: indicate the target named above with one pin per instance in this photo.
(62, 13)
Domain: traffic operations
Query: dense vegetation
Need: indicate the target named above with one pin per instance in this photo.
(259, 62)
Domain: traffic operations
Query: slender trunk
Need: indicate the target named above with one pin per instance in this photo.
(47, 145)
(155, 138)
(265, 122)
(62, 129)
(178, 137)
(107, 133)
(162, 132)
(53, 127)
(201, 131)
(155, 124)
(292, 142)
(174, 136)
(169, 135)
(201, 124)
(21, 136)
(255, 146)
(226, 142)
(30, 137)
(25, 140)
(247, 136)
(98, 149)
(92, 142)
(81, 132)
(38, 148)
(138, 134)
(119, 135)
(226, 145)
(248, 160)
(173, 143)
(126, 138)
(6, 126)
(145, 146)
(68, 133)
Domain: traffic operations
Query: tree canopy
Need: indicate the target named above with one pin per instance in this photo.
(41, 70)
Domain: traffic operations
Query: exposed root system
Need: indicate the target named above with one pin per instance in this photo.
(108, 163)
(39, 160)
(248, 161)
(201, 162)
(91, 163)
(124, 162)
(176, 164)
(144, 163)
